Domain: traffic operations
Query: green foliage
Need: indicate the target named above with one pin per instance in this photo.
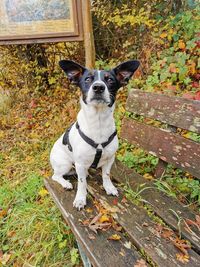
(137, 159)
(190, 188)
(175, 68)
(74, 256)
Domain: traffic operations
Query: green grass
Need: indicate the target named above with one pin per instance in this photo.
(32, 230)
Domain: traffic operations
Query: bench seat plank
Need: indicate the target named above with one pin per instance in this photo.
(176, 111)
(171, 148)
(142, 230)
(160, 202)
(100, 251)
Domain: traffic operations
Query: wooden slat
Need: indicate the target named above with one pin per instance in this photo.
(101, 251)
(160, 202)
(172, 148)
(142, 230)
(177, 111)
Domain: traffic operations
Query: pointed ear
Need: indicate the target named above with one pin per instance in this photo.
(125, 71)
(73, 70)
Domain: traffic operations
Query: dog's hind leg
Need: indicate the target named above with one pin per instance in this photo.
(107, 183)
(59, 172)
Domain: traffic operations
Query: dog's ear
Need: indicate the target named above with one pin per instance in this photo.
(124, 71)
(73, 70)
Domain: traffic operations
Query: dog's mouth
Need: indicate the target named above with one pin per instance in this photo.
(98, 99)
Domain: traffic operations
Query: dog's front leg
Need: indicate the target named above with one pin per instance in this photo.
(80, 199)
(107, 184)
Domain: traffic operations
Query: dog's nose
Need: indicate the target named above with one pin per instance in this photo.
(98, 88)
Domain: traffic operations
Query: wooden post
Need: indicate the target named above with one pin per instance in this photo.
(88, 34)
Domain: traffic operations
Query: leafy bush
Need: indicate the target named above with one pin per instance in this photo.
(175, 66)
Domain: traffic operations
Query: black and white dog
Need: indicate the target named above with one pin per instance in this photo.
(92, 140)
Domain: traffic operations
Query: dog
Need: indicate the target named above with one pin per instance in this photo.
(92, 140)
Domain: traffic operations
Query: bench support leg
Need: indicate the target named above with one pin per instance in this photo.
(86, 261)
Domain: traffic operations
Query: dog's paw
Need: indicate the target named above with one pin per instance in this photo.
(110, 189)
(79, 202)
(65, 183)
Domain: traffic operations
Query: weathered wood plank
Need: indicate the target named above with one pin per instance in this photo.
(100, 251)
(171, 148)
(177, 111)
(142, 230)
(160, 202)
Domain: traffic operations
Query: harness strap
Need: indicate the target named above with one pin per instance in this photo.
(96, 158)
(90, 142)
(65, 140)
(85, 137)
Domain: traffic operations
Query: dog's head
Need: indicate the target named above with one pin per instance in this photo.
(99, 86)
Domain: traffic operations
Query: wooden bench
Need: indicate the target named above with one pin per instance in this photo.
(150, 229)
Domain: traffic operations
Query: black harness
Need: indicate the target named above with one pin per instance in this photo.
(90, 142)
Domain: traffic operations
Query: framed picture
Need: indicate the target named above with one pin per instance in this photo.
(38, 21)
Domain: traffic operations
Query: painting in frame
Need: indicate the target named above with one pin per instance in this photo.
(37, 21)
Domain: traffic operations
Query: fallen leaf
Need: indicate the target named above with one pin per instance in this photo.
(181, 44)
(122, 252)
(198, 220)
(140, 263)
(86, 222)
(182, 257)
(163, 35)
(191, 222)
(117, 227)
(182, 245)
(114, 237)
(3, 213)
(92, 237)
(167, 233)
(197, 95)
(89, 210)
(127, 244)
(99, 226)
(43, 192)
(115, 201)
(124, 200)
(96, 218)
(11, 234)
(148, 176)
(104, 218)
(5, 258)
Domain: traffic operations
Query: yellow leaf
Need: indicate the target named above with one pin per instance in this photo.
(182, 257)
(148, 176)
(47, 124)
(89, 210)
(114, 237)
(104, 218)
(163, 35)
(2, 134)
(43, 192)
(181, 44)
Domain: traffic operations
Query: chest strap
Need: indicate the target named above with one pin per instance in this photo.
(90, 142)
(65, 140)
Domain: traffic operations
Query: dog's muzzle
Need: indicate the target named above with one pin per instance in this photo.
(99, 93)
(98, 88)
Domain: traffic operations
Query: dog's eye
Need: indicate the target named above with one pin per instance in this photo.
(110, 80)
(88, 79)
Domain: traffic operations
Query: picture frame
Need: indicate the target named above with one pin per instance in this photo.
(36, 21)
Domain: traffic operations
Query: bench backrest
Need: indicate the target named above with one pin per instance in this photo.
(166, 144)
